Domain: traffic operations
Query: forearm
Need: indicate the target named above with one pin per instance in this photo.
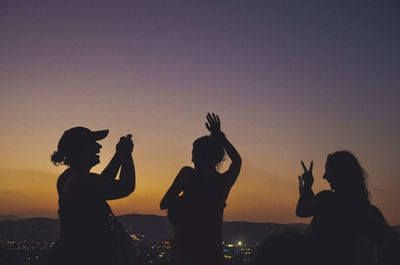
(127, 175)
(175, 189)
(166, 200)
(305, 204)
(112, 168)
(229, 148)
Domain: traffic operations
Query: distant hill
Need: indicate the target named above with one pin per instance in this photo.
(153, 227)
(32, 228)
(252, 233)
(158, 228)
(9, 218)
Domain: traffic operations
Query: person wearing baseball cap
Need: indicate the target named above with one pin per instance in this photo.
(75, 145)
(90, 233)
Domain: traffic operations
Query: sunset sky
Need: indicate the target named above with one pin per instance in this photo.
(291, 81)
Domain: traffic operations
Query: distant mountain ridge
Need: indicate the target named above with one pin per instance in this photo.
(153, 227)
(9, 218)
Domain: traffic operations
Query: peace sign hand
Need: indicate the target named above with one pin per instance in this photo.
(306, 180)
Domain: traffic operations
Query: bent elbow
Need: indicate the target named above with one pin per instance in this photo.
(163, 205)
(126, 191)
(238, 159)
(302, 213)
(237, 162)
(131, 190)
(299, 214)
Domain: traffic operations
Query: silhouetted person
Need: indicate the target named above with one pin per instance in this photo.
(90, 233)
(346, 228)
(197, 214)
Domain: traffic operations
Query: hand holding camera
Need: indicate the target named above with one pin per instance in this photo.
(125, 145)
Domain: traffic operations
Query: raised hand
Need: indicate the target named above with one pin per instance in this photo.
(125, 145)
(213, 124)
(306, 180)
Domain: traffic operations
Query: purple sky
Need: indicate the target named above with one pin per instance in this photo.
(292, 80)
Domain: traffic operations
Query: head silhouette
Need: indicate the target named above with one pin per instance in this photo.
(207, 153)
(78, 147)
(344, 173)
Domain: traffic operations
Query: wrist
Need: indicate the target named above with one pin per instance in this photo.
(306, 192)
(218, 134)
(307, 187)
(123, 154)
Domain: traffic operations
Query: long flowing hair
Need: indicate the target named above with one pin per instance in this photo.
(350, 174)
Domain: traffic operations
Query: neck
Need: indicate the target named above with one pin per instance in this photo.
(81, 168)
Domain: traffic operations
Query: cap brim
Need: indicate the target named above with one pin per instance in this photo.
(99, 135)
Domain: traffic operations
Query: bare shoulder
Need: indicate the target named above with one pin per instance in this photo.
(61, 180)
(325, 196)
(186, 170)
(185, 174)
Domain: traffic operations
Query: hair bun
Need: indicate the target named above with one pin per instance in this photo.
(57, 158)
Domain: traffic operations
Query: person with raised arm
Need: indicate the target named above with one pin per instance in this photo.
(196, 199)
(90, 233)
(345, 228)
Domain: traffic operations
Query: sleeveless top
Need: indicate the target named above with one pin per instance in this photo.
(198, 232)
(86, 222)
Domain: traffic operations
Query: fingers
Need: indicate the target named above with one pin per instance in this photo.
(126, 139)
(213, 123)
(304, 166)
(214, 118)
(311, 166)
(209, 119)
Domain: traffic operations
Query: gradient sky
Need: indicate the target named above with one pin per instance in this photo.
(291, 80)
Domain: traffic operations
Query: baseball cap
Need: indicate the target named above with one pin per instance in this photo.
(74, 138)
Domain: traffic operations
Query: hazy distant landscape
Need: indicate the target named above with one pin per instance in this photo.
(30, 240)
(152, 227)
